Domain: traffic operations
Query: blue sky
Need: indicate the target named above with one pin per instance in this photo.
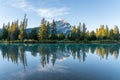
(92, 12)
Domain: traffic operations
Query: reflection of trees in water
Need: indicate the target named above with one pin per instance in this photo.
(49, 53)
(44, 52)
(14, 53)
(78, 51)
(10, 52)
(105, 51)
(22, 55)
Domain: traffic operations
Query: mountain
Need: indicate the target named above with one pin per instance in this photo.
(61, 25)
(28, 30)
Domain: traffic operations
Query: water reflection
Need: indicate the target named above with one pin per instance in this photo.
(52, 52)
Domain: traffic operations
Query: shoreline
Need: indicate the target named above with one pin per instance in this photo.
(55, 41)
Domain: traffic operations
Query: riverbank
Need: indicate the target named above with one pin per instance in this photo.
(61, 41)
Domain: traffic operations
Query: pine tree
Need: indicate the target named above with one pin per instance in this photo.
(73, 33)
(12, 31)
(84, 31)
(102, 32)
(111, 34)
(9, 31)
(107, 32)
(97, 33)
(53, 31)
(116, 32)
(42, 31)
(61, 36)
(4, 32)
(17, 31)
(78, 33)
(87, 35)
(23, 26)
(47, 30)
(92, 35)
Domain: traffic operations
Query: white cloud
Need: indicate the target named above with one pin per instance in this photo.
(52, 12)
(43, 12)
(22, 4)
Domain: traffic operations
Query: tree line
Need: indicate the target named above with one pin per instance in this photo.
(48, 31)
(14, 30)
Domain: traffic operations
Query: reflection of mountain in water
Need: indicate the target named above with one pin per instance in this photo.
(52, 52)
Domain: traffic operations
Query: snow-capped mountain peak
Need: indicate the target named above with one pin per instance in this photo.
(63, 26)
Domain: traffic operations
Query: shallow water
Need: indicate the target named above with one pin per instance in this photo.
(59, 62)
